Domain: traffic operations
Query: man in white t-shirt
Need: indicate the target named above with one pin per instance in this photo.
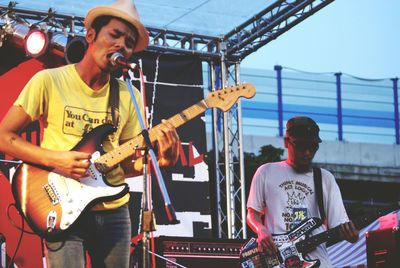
(285, 195)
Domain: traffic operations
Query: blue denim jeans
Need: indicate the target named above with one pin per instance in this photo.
(105, 235)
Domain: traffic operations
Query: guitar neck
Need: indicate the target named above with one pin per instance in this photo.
(309, 244)
(107, 161)
(332, 235)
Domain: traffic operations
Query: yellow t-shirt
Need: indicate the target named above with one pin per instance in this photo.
(68, 108)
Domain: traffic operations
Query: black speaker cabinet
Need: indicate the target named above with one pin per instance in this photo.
(197, 253)
(383, 248)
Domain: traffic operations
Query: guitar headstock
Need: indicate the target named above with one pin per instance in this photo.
(225, 98)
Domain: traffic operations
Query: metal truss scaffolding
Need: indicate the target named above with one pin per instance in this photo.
(228, 154)
(261, 29)
(225, 52)
(267, 25)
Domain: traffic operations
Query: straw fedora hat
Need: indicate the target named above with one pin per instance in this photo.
(125, 10)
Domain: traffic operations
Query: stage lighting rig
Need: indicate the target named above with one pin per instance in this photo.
(36, 41)
(37, 33)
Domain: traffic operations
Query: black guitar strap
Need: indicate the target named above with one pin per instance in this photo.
(318, 192)
(114, 100)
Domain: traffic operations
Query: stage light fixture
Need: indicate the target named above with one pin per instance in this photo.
(36, 43)
(76, 49)
(72, 48)
(18, 32)
(34, 40)
(58, 43)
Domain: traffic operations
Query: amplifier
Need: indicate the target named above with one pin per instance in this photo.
(383, 248)
(197, 252)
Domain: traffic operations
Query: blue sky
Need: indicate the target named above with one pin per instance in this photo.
(356, 37)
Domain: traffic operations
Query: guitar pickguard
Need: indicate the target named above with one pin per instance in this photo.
(74, 196)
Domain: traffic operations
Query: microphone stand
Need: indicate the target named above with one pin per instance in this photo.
(147, 214)
(148, 217)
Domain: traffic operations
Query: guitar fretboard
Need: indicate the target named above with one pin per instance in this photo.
(107, 161)
(332, 235)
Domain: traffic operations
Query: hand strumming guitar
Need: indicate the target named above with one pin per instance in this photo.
(72, 164)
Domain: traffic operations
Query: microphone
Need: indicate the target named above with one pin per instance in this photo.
(118, 60)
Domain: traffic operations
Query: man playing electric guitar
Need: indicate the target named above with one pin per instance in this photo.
(70, 101)
(284, 193)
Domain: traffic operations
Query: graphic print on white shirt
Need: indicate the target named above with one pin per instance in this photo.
(296, 209)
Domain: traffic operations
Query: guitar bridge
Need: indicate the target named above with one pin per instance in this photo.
(51, 193)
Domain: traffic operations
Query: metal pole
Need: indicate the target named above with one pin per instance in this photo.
(396, 108)
(339, 105)
(228, 162)
(146, 214)
(278, 70)
(241, 158)
(216, 154)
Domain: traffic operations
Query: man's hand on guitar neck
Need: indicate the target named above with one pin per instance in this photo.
(168, 142)
(348, 231)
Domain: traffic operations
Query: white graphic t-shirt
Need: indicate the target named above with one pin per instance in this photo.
(287, 198)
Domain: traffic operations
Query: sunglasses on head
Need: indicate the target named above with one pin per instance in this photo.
(305, 145)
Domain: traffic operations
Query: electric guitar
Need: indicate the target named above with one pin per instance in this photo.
(294, 244)
(51, 202)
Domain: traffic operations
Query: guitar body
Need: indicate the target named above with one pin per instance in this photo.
(51, 202)
(288, 255)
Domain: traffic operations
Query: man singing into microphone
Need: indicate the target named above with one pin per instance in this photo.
(72, 100)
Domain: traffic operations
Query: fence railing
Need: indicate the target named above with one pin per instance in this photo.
(347, 108)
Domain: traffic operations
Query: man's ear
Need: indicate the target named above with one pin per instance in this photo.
(285, 141)
(90, 35)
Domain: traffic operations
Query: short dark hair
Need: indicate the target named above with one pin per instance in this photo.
(99, 23)
(102, 21)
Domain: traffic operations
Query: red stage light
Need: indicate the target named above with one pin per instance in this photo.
(36, 43)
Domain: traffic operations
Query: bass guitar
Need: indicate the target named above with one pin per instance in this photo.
(51, 202)
(293, 245)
